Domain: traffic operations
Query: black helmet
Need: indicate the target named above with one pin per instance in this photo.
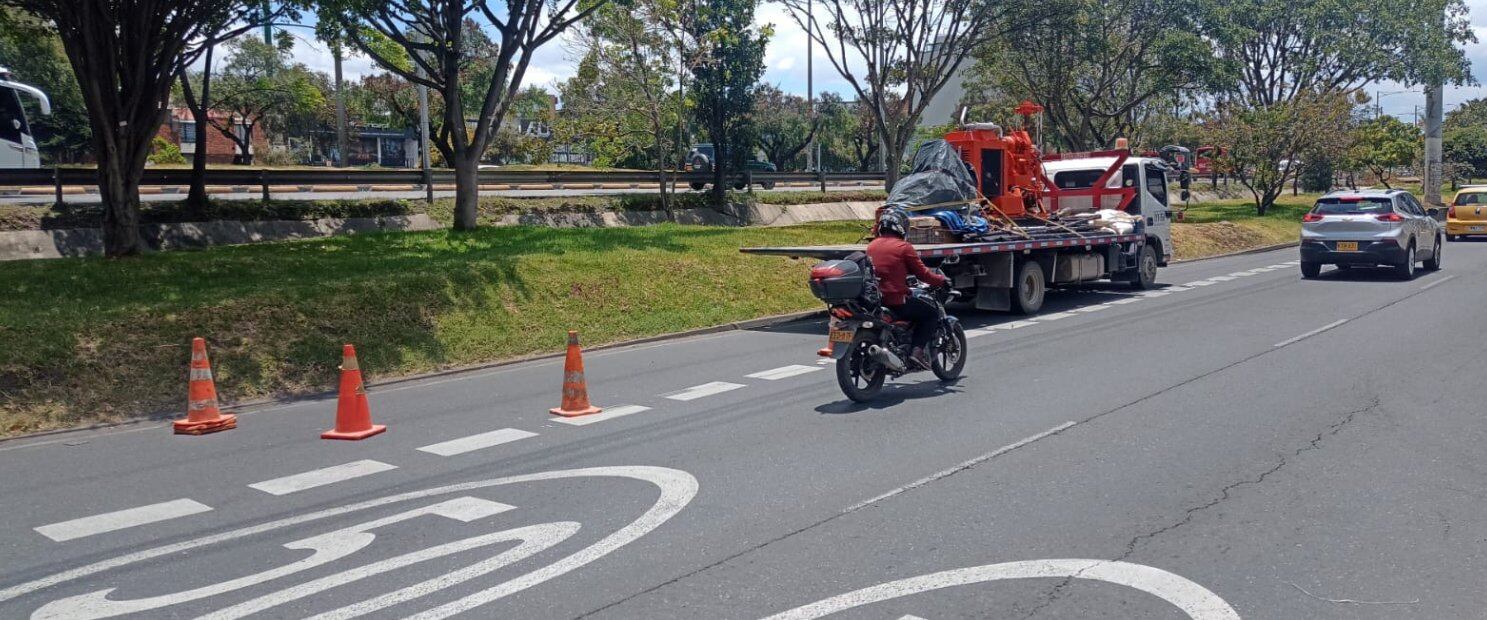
(893, 221)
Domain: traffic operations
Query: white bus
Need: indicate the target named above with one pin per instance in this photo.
(17, 146)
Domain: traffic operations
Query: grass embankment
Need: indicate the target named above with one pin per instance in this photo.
(1223, 226)
(31, 217)
(90, 340)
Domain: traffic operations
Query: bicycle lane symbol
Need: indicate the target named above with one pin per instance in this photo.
(677, 488)
(1197, 602)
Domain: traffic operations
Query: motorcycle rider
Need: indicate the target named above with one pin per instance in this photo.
(894, 258)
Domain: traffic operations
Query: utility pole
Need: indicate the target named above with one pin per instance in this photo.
(1434, 113)
(336, 53)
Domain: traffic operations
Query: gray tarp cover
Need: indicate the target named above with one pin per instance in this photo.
(938, 176)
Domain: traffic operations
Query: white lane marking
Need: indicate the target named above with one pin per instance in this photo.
(677, 490)
(121, 519)
(1175, 289)
(1094, 308)
(977, 333)
(1311, 333)
(1196, 601)
(533, 539)
(609, 413)
(951, 470)
(325, 548)
(1200, 283)
(911, 617)
(783, 372)
(1293, 262)
(707, 389)
(825, 361)
(476, 442)
(1221, 278)
(1013, 325)
(1242, 274)
(1052, 317)
(321, 477)
(1440, 281)
(1132, 300)
(1278, 266)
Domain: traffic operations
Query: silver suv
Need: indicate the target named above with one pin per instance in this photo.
(1367, 228)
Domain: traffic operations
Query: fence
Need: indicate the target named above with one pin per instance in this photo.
(365, 180)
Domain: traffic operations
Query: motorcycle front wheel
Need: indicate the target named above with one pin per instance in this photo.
(948, 352)
(859, 375)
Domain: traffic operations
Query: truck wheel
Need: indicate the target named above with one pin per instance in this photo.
(1146, 268)
(1028, 288)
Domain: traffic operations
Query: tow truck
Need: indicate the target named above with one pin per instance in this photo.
(1040, 207)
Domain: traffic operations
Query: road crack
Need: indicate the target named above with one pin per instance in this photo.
(1224, 495)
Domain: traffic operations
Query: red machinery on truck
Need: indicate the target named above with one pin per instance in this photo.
(1050, 219)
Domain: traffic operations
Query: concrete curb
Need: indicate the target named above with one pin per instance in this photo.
(254, 405)
(1263, 248)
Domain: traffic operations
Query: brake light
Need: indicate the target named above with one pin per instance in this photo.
(821, 273)
(1389, 217)
(1451, 211)
(1350, 199)
(1312, 217)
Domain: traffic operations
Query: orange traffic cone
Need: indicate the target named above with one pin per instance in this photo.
(353, 417)
(202, 415)
(575, 389)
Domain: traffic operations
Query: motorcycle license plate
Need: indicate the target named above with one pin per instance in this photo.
(841, 335)
(1347, 246)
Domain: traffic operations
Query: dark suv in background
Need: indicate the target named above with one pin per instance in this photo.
(702, 156)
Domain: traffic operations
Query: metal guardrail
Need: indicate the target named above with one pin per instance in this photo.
(264, 178)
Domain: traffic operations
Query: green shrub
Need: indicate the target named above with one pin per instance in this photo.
(163, 152)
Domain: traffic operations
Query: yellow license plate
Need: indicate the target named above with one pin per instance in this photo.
(1347, 246)
(841, 335)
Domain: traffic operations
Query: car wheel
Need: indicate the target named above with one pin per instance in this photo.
(767, 185)
(1310, 270)
(739, 186)
(1453, 237)
(1406, 270)
(1434, 264)
(698, 186)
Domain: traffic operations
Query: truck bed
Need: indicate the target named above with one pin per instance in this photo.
(940, 250)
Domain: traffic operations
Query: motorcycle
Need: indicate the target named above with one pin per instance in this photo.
(869, 344)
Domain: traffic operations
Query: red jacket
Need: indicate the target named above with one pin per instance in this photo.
(893, 260)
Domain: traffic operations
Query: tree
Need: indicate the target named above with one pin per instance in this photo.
(437, 53)
(1466, 146)
(626, 86)
(1263, 144)
(125, 55)
(783, 126)
(1275, 51)
(1100, 69)
(31, 49)
(724, 79)
(906, 50)
(1382, 144)
(259, 86)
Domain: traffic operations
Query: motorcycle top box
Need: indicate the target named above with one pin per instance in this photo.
(838, 281)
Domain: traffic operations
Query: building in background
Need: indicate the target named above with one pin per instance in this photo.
(180, 130)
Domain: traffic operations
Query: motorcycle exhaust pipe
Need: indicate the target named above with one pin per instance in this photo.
(886, 358)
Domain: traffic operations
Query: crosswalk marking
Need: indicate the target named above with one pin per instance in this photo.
(783, 372)
(476, 442)
(707, 389)
(609, 413)
(321, 477)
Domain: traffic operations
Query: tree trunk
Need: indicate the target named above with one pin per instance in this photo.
(892, 160)
(118, 185)
(198, 193)
(466, 191)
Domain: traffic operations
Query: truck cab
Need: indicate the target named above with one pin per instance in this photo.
(17, 144)
(1146, 175)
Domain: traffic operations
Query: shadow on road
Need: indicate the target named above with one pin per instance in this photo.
(893, 394)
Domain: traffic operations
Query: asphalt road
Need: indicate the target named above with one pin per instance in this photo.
(93, 198)
(1250, 444)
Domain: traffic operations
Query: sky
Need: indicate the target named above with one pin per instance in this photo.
(785, 63)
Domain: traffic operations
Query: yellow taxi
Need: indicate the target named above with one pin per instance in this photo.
(1468, 213)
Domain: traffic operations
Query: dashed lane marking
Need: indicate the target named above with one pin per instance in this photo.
(1201, 283)
(1440, 281)
(1242, 274)
(1221, 278)
(1053, 317)
(1094, 308)
(1013, 325)
(1311, 333)
(783, 372)
(609, 413)
(701, 391)
(321, 477)
(1279, 266)
(1175, 289)
(977, 333)
(476, 442)
(121, 519)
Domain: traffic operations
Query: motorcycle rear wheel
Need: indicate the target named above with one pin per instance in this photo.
(948, 353)
(859, 375)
